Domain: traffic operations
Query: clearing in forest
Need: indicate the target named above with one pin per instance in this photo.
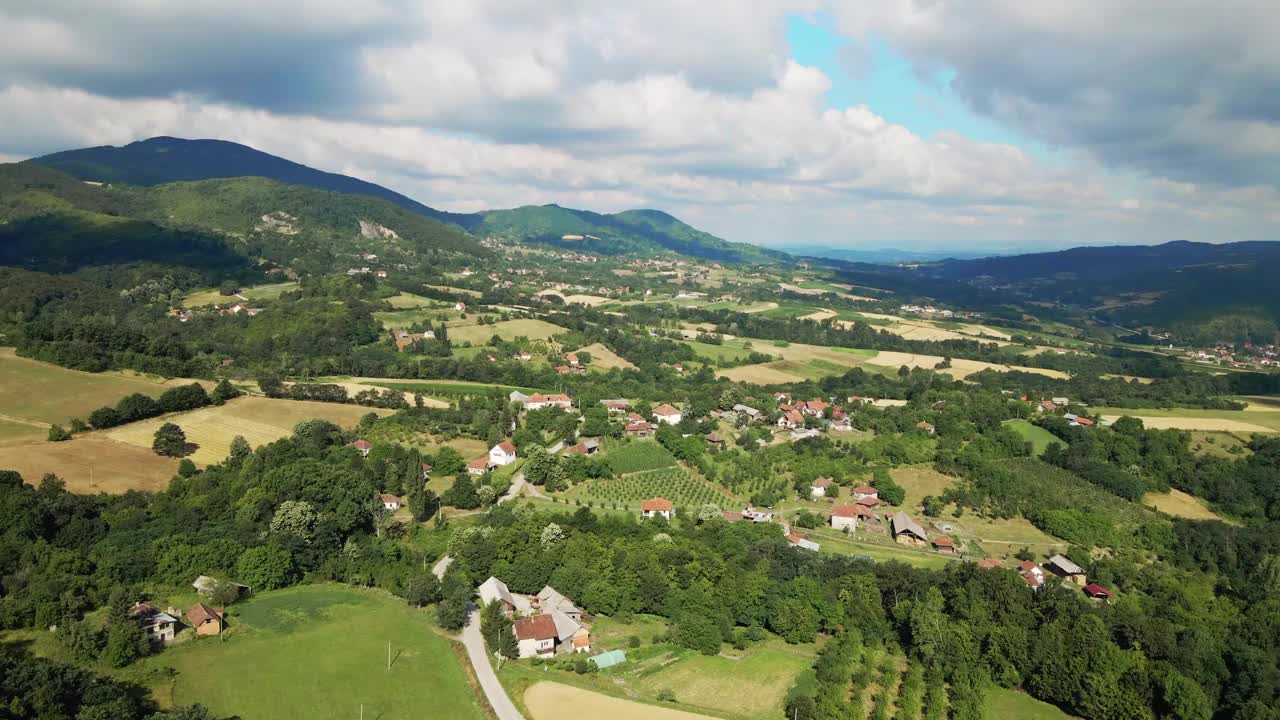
(41, 392)
(602, 358)
(1179, 504)
(505, 329)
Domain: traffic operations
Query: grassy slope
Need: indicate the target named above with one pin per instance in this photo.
(42, 392)
(321, 652)
(1038, 436)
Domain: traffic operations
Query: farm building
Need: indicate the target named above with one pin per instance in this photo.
(204, 619)
(504, 453)
(848, 516)
(945, 545)
(820, 486)
(802, 542)
(609, 659)
(654, 507)
(158, 625)
(537, 401)
(1062, 566)
(639, 429)
(479, 466)
(206, 585)
(865, 491)
(907, 531)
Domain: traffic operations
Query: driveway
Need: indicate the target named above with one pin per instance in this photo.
(498, 698)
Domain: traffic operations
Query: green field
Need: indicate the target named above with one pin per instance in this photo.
(41, 392)
(708, 351)
(409, 301)
(674, 484)
(638, 456)
(397, 319)
(320, 651)
(834, 542)
(1036, 435)
(1002, 704)
(258, 292)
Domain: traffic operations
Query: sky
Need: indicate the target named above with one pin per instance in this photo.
(941, 125)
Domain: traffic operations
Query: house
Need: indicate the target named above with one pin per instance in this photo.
(714, 438)
(751, 413)
(460, 307)
(802, 542)
(1097, 592)
(907, 531)
(426, 471)
(847, 516)
(1047, 406)
(364, 446)
(782, 397)
(639, 429)
(664, 413)
(569, 369)
(536, 636)
(494, 590)
(390, 502)
(616, 406)
(840, 421)
(205, 585)
(158, 625)
(572, 359)
(657, 506)
(819, 487)
(989, 564)
(865, 491)
(868, 502)
(945, 545)
(1084, 422)
(1032, 573)
(927, 427)
(816, 408)
(205, 620)
(537, 401)
(522, 356)
(1061, 401)
(479, 466)
(504, 453)
(588, 446)
(1062, 566)
(790, 420)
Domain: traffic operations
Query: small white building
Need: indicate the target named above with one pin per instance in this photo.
(504, 453)
(865, 491)
(390, 502)
(658, 506)
(664, 413)
(847, 516)
(819, 487)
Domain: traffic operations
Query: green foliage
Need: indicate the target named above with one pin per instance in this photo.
(638, 456)
(266, 567)
(57, 433)
(497, 631)
(170, 440)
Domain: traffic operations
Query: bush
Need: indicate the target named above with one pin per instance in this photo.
(667, 695)
(57, 434)
(633, 641)
(170, 440)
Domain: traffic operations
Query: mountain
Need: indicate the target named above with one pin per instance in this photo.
(628, 232)
(878, 255)
(164, 160)
(161, 160)
(52, 221)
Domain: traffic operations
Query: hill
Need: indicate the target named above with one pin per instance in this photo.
(54, 222)
(160, 160)
(642, 232)
(166, 160)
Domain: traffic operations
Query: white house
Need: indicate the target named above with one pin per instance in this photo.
(664, 413)
(364, 446)
(536, 636)
(865, 491)
(657, 506)
(390, 502)
(847, 516)
(537, 401)
(504, 453)
(819, 487)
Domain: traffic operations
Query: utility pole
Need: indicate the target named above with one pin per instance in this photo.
(388, 654)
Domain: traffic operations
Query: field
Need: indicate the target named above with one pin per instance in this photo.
(1038, 436)
(708, 351)
(1002, 538)
(1179, 504)
(20, 432)
(766, 374)
(445, 388)
(507, 330)
(834, 542)
(90, 464)
(673, 484)
(638, 456)
(45, 393)
(1245, 421)
(602, 358)
(259, 420)
(1002, 704)
(553, 701)
(397, 319)
(588, 300)
(1218, 444)
(258, 292)
(409, 301)
(919, 481)
(959, 368)
(320, 651)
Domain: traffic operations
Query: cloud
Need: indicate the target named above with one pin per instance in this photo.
(697, 109)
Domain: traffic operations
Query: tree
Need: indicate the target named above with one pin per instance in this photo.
(498, 632)
(104, 417)
(295, 517)
(224, 391)
(448, 461)
(170, 440)
(423, 503)
(126, 642)
(708, 511)
(932, 505)
(57, 434)
(266, 567)
(551, 536)
(186, 468)
(422, 590)
(462, 494)
(239, 450)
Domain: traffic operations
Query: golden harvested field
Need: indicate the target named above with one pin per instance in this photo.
(91, 464)
(819, 316)
(456, 290)
(507, 330)
(14, 431)
(959, 368)
(602, 358)
(757, 307)
(1179, 504)
(588, 300)
(1260, 403)
(409, 301)
(1195, 423)
(355, 387)
(32, 390)
(260, 420)
(554, 701)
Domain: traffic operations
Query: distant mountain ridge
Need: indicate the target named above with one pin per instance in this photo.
(163, 160)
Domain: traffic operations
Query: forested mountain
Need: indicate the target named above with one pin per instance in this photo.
(53, 222)
(163, 160)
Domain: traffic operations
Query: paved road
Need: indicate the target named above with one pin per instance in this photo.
(498, 698)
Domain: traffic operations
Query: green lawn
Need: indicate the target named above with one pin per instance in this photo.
(637, 456)
(834, 542)
(708, 351)
(1038, 436)
(320, 651)
(1002, 704)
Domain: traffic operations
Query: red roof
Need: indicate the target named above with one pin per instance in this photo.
(538, 627)
(848, 511)
(665, 409)
(865, 490)
(943, 541)
(656, 505)
(989, 563)
(582, 642)
(479, 463)
(635, 417)
(1097, 591)
(1028, 566)
(201, 613)
(389, 498)
(823, 482)
(362, 444)
(506, 447)
(869, 502)
(1084, 422)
